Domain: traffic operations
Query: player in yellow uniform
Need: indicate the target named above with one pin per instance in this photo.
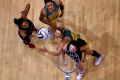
(50, 12)
(68, 38)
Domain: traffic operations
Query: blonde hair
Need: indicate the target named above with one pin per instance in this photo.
(61, 29)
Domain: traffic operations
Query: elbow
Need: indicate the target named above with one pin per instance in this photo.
(57, 54)
(41, 19)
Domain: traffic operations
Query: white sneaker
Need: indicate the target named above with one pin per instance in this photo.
(80, 75)
(98, 60)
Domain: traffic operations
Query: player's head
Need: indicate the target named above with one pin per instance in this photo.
(49, 4)
(47, 1)
(59, 32)
(20, 22)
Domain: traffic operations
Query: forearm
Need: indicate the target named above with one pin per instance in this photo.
(53, 53)
(25, 11)
(27, 8)
(63, 57)
(46, 22)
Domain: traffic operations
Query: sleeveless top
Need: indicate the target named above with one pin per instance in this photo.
(29, 29)
(52, 16)
(68, 33)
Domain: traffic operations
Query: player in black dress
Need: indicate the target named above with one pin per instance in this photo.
(25, 27)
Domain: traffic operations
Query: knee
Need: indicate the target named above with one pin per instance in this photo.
(86, 49)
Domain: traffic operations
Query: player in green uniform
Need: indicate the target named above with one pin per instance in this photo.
(66, 36)
(75, 43)
(50, 13)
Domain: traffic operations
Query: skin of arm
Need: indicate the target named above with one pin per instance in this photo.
(25, 11)
(84, 49)
(60, 4)
(60, 48)
(83, 58)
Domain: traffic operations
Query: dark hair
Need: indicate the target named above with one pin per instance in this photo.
(46, 1)
(18, 21)
(75, 43)
(61, 29)
(78, 43)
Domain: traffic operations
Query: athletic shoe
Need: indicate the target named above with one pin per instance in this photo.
(67, 76)
(99, 59)
(31, 45)
(80, 75)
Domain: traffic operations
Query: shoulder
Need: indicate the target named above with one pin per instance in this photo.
(43, 11)
(81, 42)
(58, 2)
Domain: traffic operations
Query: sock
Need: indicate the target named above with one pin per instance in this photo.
(96, 54)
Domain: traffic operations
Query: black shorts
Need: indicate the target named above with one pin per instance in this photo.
(81, 42)
(78, 44)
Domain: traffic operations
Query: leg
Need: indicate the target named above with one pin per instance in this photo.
(94, 53)
(82, 71)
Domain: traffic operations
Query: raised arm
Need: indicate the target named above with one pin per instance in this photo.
(58, 51)
(25, 11)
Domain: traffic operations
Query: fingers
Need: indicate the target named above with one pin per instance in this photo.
(44, 49)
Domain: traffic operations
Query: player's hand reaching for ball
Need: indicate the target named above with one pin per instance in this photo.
(44, 49)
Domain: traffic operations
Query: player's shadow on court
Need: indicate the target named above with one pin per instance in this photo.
(107, 45)
(110, 48)
(45, 43)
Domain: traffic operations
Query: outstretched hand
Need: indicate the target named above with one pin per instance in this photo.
(44, 49)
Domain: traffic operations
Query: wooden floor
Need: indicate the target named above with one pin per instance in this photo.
(98, 20)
